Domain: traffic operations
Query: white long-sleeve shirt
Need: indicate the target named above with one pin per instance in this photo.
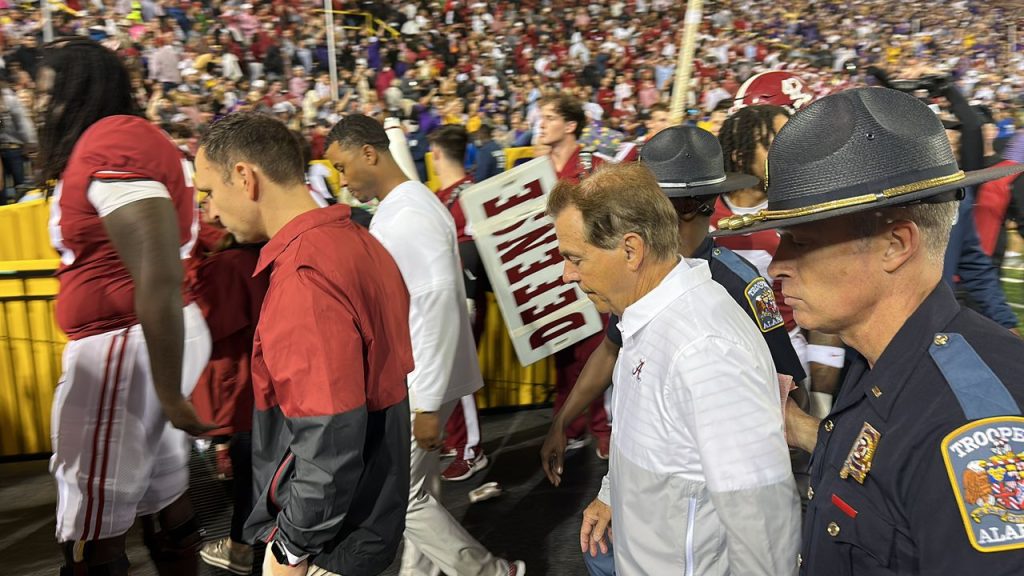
(419, 233)
(700, 479)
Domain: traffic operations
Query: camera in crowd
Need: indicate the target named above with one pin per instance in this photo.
(931, 85)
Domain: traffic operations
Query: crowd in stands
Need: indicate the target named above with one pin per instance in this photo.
(488, 64)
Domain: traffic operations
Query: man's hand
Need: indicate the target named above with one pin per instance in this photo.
(426, 429)
(277, 569)
(597, 519)
(552, 453)
(183, 417)
(801, 427)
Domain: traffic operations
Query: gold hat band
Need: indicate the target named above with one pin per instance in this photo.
(743, 220)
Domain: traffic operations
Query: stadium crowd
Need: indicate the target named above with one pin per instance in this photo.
(434, 63)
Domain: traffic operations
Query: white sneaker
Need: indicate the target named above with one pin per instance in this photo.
(234, 559)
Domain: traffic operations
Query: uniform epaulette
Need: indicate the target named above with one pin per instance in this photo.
(734, 263)
(982, 456)
(979, 391)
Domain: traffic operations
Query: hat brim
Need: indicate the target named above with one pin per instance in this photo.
(970, 179)
(733, 181)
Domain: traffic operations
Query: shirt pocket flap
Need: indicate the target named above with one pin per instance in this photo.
(851, 520)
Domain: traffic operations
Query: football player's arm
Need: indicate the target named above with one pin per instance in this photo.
(146, 237)
(826, 356)
(594, 379)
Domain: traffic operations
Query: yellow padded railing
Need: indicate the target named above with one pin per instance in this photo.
(31, 344)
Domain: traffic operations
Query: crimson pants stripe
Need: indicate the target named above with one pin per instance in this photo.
(96, 441)
(106, 440)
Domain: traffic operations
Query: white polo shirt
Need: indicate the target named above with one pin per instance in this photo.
(700, 479)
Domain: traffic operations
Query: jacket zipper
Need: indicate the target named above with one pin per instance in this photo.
(277, 479)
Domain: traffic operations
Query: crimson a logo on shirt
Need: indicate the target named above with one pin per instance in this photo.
(638, 370)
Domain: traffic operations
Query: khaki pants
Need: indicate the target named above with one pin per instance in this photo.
(434, 541)
(313, 570)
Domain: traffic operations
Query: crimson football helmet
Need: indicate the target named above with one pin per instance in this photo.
(776, 87)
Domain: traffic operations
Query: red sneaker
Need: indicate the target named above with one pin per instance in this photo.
(461, 469)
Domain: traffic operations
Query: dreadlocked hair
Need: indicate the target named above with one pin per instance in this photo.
(89, 83)
(743, 131)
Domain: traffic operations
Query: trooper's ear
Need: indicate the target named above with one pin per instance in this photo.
(903, 239)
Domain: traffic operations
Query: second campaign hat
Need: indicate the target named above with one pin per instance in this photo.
(687, 161)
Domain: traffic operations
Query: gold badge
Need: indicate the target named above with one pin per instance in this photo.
(858, 461)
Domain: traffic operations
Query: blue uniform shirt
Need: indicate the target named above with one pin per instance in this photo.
(897, 510)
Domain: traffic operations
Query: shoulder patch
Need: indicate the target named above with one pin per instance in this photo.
(762, 301)
(985, 463)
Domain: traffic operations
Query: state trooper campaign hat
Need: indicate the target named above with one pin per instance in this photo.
(857, 150)
(687, 162)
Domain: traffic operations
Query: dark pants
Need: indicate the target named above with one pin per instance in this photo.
(241, 468)
(14, 164)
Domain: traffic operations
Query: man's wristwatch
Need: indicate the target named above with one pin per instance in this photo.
(283, 556)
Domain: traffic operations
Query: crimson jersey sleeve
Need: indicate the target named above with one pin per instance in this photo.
(96, 293)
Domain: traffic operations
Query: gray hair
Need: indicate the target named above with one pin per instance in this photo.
(934, 220)
(618, 199)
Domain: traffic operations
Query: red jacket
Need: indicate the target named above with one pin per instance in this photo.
(331, 429)
(230, 298)
(990, 208)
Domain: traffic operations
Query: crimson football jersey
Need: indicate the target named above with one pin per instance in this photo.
(450, 198)
(96, 291)
(757, 248)
(580, 165)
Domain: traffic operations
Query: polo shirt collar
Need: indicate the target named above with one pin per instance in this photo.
(298, 225)
(687, 274)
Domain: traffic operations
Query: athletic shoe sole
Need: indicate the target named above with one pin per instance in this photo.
(225, 564)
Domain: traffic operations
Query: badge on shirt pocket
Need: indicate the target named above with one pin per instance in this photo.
(762, 302)
(858, 461)
(985, 463)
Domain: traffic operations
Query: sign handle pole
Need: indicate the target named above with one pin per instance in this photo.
(332, 48)
(684, 62)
